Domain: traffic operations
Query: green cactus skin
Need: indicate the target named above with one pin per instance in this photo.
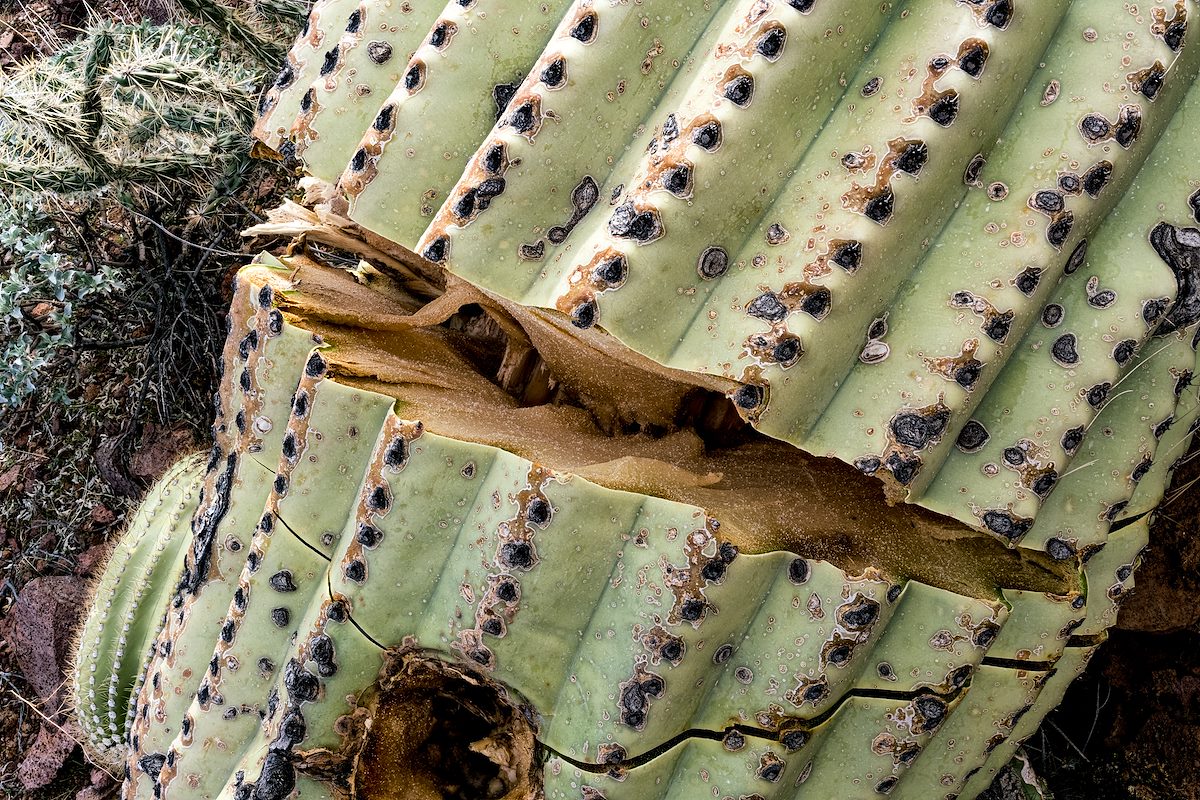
(664, 634)
(122, 622)
(467, 67)
(668, 662)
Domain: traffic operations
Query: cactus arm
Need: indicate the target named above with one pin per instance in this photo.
(115, 638)
(465, 67)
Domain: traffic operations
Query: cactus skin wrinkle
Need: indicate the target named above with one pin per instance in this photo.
(859, 264)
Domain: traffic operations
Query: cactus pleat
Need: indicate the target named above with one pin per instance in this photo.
(116, 636)
(398, 195)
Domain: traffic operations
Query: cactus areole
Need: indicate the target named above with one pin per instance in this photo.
(744, 399)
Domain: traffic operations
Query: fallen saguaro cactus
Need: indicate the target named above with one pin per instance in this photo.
(776, 407)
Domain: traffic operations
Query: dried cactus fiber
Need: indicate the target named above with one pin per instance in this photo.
(450, 593)
(546, 501)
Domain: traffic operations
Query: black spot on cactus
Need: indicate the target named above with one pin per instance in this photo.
(439, 34)
(1098, 394)
(228, 629)
(1095, 128)
(292, 731)
(972, 437)
(749, 397)
(713, 571)
(871, 86)
(278, 778)
(847, 255)
(653, 685)
(708, 136)
(612, 271)
(1000, 14)
(1075, 260)
(691, 609)
(502, 93)
(1027, 281)
(767, 306)
(1102, 299)
(859, 614)
(1044, 484)
(306, 103)
(517, 555)
(739, 90)
(274, 322)
(465, 206)
(1141, 469)
(944, 110)
(1183, 381)
(302, 686)
(974, 167)
(1047, 201)
(252, 561)
(903, 470)
(886, 785)
(356, 571)
(379, 499)
(678, 181)
(913, 157)
(414, 78)
(1070, 183)
(493, 160)
(722, 654)
(315, 366)
(880, 207)
(733, 741)
(508, 591)
(281, 617)
(585, 28)
(793, 740)
(359, 161)
(816, 693)
(803, 6)
(492, 626)
(538, 512)
(1064, 350)
(1051, 316)
(787, 351)
(1072, 439)
(554, 72)
(770, 769)
(244, 380)
(240, 422)
(1059, 549)
(354, 21)
(967, 374)
(152, 764)
(932, 709)
(1152, 310)
(331, 61)
(584, 315)
(338, 612)
(379, 51)
(1124, 351)
(628, 223)
(1006, 524)
(1058, 230)
(368, 535)
(1180, 249)
(816, 304)
(914, 430)
(867, 465)
(997, 326)
(286, 77)
(1096, 178)
(290, 451)
(1163, 426)
(395, 456)
(282, 581)
(1013, 456)
(321, 651)
(771, 44)
(672, 650)
(1129, 125)
(972, 60)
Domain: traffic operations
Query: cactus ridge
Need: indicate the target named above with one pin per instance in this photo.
(867, 694)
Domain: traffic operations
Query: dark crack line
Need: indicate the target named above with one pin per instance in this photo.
(350, 617)
(301, 539)
(807, 725)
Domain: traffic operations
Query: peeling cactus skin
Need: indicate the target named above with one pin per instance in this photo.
(985, 301)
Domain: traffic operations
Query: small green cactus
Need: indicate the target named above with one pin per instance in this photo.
(612, 517)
